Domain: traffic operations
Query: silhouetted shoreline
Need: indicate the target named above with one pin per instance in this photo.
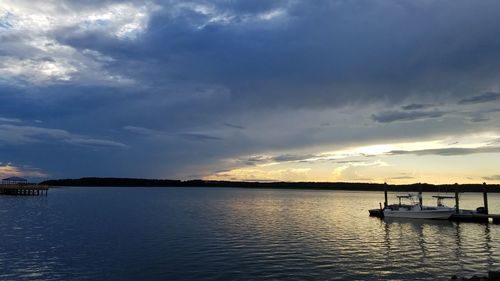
(137, 182)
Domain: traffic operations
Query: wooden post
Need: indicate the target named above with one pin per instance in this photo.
(385, 195)
(457, 202)
(485, 198)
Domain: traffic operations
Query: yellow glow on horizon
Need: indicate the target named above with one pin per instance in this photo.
(376, 163)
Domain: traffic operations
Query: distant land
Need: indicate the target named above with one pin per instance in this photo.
(137, 182)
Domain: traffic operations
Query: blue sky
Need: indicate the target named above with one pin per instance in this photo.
(397, 91)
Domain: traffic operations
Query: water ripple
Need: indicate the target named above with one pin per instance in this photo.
(231, 234)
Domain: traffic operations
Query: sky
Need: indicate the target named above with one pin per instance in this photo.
(396, 91)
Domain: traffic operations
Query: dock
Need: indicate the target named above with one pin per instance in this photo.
(480, 215)
(460, 217)
(475, 217)
(24, 189)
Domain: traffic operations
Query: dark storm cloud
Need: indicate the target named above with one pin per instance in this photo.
(416, 106)
(337, 51)
(198, 64)
(394, 116)
(486, 97)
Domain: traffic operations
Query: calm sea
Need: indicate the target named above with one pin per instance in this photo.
(233, 234)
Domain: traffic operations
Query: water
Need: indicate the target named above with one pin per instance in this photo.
(233, 234)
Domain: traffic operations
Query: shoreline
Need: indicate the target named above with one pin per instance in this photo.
(137, 182)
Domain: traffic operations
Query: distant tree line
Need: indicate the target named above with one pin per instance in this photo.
(135, 182)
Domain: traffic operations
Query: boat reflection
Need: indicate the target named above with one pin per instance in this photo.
(448, 244)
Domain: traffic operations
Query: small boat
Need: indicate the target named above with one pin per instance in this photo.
(415, 210)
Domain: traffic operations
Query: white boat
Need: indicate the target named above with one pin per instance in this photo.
(416, 211)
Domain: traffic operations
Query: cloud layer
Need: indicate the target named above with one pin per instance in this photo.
(183, 88)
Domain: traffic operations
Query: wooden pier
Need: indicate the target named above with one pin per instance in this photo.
(24, 189)
(460, 217)
(481, 215)
(475, 217)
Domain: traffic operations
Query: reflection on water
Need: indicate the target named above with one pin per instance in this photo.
(227, 234)
(443, 244)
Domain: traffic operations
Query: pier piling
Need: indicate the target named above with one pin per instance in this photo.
(485, 198)
(385, 195)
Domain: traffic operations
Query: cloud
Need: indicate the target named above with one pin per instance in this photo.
(234, 126)
(78, 140)
(142, 131)
(454, 151)
(8, 170)
(492, 178)
(292, 157)
(159, 135)
(190, 40)
(354, 171)
(483, 98)
(357, 155)
(396, 116)
(18, 135)
(415, 106)
(10, 120)
(349, 161)
(199, 137)
(401, 178)
(30, 53)
(256, 160)
(206, 81)
(258, 174)
(478, 119)
(479, 115)
(36, 70)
